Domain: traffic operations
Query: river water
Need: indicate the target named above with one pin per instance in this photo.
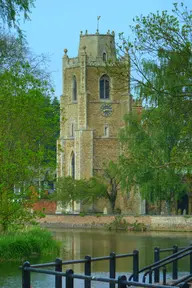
(78, 243)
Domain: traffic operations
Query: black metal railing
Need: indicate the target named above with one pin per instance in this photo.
(157, 252)
(122, 281)
(69, 275)
(154, 268)
(27, 268)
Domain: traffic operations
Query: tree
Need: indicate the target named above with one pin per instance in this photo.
(151, 144)
(11, 10)
(112, 178)
(157, 144)
(69, 190)
(29, 127)
(105, 186)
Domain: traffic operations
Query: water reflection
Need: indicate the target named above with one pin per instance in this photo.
(78, 243)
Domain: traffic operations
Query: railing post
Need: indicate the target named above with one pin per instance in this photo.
(136, 265)
(58, 268)
(26, 276)
(69, 280)
(121, 280)
(190, 260)
(164, 275)
(156, 259)
(150, 276)
(175, 264)
(88, 271)
(112, 268)
(144, 279)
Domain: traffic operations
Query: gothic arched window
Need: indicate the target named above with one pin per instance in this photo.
(106, 130)
(104, 87)
(74, 89)
(104, 57)
(73, 165)
(72, 129)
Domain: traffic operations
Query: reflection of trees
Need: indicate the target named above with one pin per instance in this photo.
(97, 243)
(78, 243)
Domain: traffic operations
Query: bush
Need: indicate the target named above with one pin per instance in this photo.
(21, 245)
(137, 226)
(119, 223)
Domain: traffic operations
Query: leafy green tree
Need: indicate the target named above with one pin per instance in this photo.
(150, 142)
(112, 178)
(157, 143)
(29, 128)
(69, 190)
(106, 185)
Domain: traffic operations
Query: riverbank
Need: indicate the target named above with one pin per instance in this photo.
(152, 223)
(21, 245)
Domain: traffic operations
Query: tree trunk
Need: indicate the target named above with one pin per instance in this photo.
(112, 198)
(112, 203)
(168, 206)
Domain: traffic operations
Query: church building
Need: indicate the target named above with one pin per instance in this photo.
(94, 100)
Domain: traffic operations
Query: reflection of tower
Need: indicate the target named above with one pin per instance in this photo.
(93, 103)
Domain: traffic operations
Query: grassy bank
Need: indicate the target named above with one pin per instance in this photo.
(21, 245)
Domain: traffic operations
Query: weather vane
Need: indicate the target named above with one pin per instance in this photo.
(98, 17)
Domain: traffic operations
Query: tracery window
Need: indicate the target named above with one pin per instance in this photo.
(73, 165)
(74, 89)
(104, 57)
(104, 87)
(106, 131)
(72, 129)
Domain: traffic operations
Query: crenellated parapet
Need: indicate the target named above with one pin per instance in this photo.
(97, 48)
(112, 33)
(91, 61)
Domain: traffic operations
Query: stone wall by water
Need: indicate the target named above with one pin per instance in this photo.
(153, 223)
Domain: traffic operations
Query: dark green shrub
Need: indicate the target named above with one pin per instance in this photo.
(139, 226)
(119, 223)
(21, 245)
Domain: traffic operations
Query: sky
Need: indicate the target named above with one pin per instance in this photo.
(56, 25)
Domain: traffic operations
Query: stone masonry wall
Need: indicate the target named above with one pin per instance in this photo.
(153, 223)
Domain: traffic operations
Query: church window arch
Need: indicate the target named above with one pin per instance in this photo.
(104, 56)
(72, 129)
(74, 88)
(72, 165)
(104, 83)
(106, 130)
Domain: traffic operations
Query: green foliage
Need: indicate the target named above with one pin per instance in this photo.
(187, 216)
(82, 214)
(119, 223)
(117, 211)
(15, 212)
(111, 177)
(11, 10)
(179, 212)
(157, 143)
(23, 244)
(43, 194)
(69, 189)
(137, 226)
(152, 140)
(106, 185)
(28, 132)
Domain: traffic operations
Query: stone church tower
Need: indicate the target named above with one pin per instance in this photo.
(93, 102)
